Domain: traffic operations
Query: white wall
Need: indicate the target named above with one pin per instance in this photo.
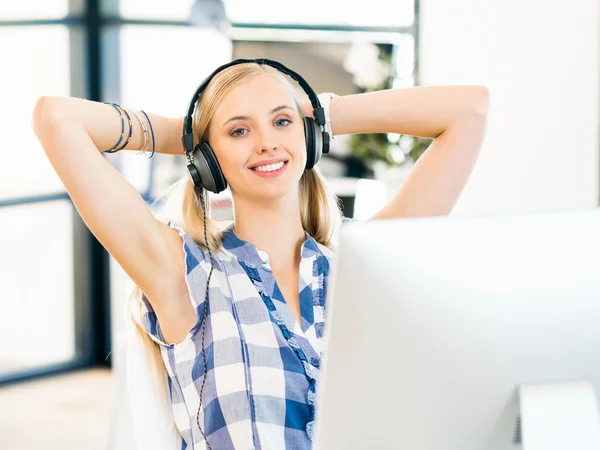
(539, 59)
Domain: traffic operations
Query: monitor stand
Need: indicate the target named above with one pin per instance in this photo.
(559, 416)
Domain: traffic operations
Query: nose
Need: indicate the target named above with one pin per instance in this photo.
(265, 141)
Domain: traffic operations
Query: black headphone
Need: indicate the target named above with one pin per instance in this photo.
(204, 169)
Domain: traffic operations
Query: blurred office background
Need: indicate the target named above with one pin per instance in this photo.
(62, 296)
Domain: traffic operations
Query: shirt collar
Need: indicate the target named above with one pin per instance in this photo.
(248, 253)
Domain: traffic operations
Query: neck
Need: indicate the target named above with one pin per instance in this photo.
(273, 227)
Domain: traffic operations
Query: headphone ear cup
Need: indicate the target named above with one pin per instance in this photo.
(314, 142)
(195, 177)
(206, 171)
(326, 142)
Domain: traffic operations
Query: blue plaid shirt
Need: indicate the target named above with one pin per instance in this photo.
(262, 366)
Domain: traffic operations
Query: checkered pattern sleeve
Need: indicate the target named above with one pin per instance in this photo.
(194, 257)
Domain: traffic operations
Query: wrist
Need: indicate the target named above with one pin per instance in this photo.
(175, 129)
(325, 100)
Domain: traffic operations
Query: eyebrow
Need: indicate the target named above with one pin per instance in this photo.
(274, 110)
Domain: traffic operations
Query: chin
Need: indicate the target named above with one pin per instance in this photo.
(275, 192)
(272, 189)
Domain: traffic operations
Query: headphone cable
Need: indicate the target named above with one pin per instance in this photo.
(204, 319)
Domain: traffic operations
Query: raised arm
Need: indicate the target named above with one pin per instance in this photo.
(73, 132)
(455, 116)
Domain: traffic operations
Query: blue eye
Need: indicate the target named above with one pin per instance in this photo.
(235, 132)
(238, 132)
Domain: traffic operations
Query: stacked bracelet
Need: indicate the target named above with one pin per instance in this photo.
(122, 143)
(130, 130)
(151, 132)
(145, 130)
(116, 147)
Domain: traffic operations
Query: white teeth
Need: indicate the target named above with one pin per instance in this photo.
(269, 167)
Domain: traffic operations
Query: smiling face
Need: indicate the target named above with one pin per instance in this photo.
(257, 135)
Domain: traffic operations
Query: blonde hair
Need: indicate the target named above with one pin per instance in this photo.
(319, 208)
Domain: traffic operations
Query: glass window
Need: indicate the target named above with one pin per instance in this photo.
(381, 13)
(181, 58)
(156, 9)
(36, 285)
(296, 35)
(310, 12)
(404, 61)
(39, 58)
(33, 9)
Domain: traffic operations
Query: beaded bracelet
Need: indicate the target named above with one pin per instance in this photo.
(152, 132)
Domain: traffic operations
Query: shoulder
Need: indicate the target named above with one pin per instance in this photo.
(185, 242)
(174, 314)
(188, 241)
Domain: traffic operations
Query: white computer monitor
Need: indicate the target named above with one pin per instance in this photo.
(463, 334)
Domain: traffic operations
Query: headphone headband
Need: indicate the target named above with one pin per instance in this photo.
(319, 112)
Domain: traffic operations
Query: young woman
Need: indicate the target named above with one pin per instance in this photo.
(235, 316)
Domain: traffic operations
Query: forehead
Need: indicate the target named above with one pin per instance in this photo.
(256, 95)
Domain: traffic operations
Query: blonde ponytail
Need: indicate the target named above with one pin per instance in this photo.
(193, 218)
(319, 208)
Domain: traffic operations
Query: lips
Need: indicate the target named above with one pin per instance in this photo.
(272, 172)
